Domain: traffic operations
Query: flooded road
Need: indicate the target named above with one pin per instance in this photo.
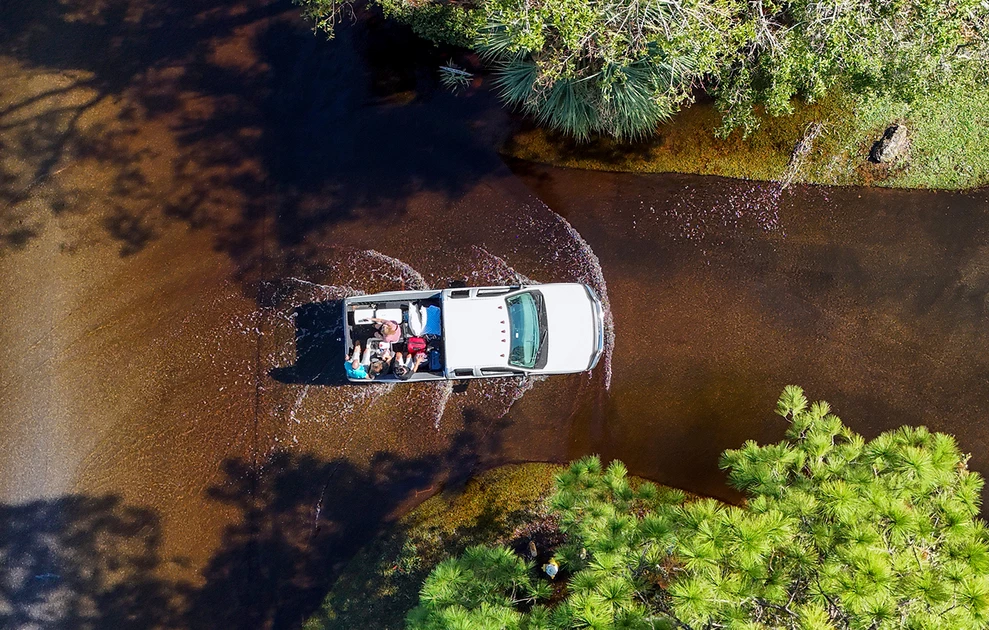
(189, 190)
(723, 292)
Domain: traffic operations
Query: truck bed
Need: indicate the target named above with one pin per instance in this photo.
(395, 306)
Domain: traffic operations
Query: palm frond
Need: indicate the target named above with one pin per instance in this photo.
(514, 80)
(567, 108)
(453, 77)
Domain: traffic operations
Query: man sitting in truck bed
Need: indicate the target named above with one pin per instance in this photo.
(403, 369)
(365, 367)
(355, 364)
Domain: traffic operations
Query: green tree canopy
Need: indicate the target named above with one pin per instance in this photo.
(895, 48)
(619, 67)
(614, 67)
(480, 590)
(835, 532)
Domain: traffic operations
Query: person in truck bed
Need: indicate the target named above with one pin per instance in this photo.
(364, 366)
(380, 364)
(403, 369)
(387, 330)
(356, 365)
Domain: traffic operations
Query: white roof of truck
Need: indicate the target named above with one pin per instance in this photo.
(475, 332)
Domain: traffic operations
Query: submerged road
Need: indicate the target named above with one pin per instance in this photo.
(189, 190)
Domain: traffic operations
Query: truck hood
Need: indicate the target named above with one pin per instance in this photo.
(570, 320)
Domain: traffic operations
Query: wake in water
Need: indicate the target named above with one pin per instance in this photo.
(295, 292)
(398, 271)
(348, 271)
(492, 269)
(499, 395)
(337, 407)
(578, 262)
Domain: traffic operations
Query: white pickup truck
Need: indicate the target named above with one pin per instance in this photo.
(483, 332)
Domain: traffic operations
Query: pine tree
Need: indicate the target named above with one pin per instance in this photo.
(835, 532)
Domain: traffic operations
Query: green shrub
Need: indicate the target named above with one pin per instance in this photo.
(440, 23)
(899, 49)
(615, 68)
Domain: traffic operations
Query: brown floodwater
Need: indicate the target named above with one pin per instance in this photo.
(189, 189)
(725, 291)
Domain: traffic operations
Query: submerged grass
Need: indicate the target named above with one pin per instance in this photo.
(949, 144)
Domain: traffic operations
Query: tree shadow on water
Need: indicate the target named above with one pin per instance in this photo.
(303, 519)
(84, 562)
(273, 135)
(93, 562)
(88, 56)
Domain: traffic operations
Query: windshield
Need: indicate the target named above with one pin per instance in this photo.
(527, 324)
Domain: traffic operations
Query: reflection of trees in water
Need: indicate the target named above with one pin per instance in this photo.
(232, 118)
(94, 562)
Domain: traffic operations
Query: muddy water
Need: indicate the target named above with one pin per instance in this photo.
(188, 191)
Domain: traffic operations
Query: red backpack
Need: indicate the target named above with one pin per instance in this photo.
(416, 345)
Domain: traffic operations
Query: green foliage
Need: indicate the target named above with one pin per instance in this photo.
(454, 78)
(324, 14)
(949, 136)
(378, 587)
(455, 24)
(902, 49)
(480, 589)
(616, 67)
(438, 22)
(949, 143)
(857, 534)
(836, 532)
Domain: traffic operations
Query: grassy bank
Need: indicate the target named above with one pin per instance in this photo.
(949, 144)
(381, 584)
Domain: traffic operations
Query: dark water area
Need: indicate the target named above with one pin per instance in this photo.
(189, 189)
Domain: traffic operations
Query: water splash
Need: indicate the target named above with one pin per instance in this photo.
(493, 269)
(306, 292)
(443, 392)
(400, 271)
(298, 402)
(501, 394)
(589, 271)
(329, 291)
(695, 218)
(353, 401)
(308, 405)
(364, 396)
